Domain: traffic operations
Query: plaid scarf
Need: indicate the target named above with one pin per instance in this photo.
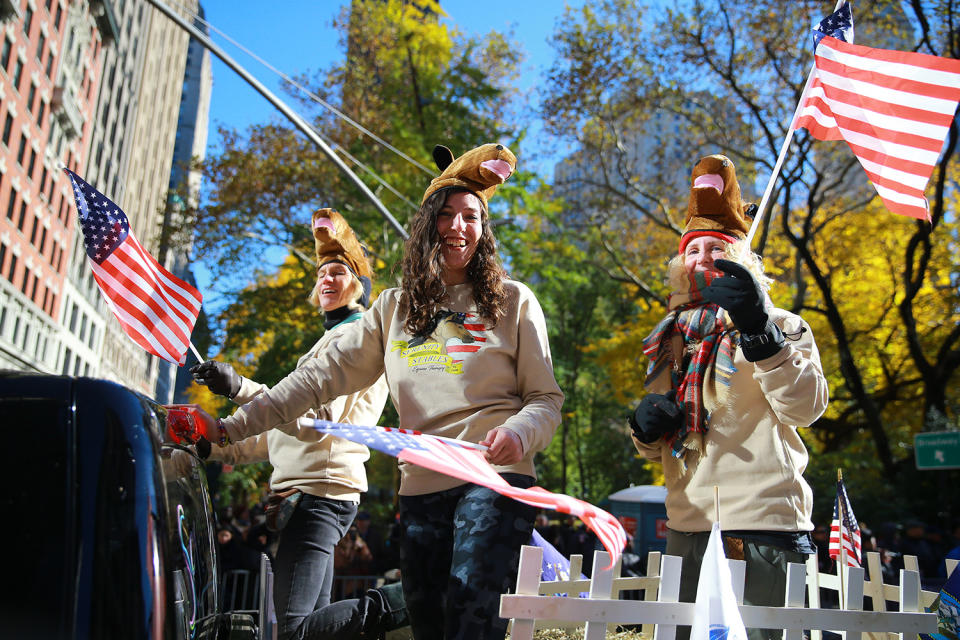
(705, 363)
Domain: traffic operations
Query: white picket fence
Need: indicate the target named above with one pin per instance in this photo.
(537, 604)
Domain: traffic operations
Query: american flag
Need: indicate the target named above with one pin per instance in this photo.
(155, 308)
(894, 110)
(838, 24)
(465, 460)
(844, 529)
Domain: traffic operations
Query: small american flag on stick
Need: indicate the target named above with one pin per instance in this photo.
(844, 531)
(155, 308)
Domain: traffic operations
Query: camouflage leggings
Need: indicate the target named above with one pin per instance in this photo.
(459, 553)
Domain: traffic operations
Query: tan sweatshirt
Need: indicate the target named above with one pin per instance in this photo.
(754, 453)
(466, 379)
(321, 465)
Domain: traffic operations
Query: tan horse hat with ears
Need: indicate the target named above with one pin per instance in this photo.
(715, 207)
(480, 170)
(336, 242)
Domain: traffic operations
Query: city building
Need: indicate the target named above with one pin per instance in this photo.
(51, 63)
(95, 86)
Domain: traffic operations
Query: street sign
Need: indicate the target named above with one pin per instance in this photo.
(937, 450)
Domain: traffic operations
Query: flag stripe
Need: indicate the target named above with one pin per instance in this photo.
(470, 465)
(154, 307)
(130, 272)
(893, 108)
(136, 313)
(845, 528)
(177, 288)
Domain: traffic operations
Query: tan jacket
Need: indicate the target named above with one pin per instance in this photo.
(321, 465)
(462, 382)
(753, 451)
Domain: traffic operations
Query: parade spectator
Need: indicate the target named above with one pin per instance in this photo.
(466, 356)
(914, 543)
(352, 559)
(731, 379)
(317, 480)
(374, 540)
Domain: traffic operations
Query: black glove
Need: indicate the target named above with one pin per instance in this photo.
(655, 416)
(203, 448)
(739, 293)
(218, 376)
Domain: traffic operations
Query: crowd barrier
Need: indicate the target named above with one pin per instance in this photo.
(554, 604)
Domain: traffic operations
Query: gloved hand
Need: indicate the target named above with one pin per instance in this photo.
(739, 293)
(203, 448)
(186, 424)
(218, 376)
(656, 415)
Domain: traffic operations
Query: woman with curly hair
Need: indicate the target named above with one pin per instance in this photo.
(466, 356)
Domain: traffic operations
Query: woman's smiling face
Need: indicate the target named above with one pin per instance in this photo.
(333, 280)
(459, 225)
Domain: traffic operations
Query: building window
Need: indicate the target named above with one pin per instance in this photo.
(73, 317)
(5, 53)
(22, 151)
(67, 354)
(43, 180)
(41, 43)
(41, 111)
(3, 254)
(27, 21)
(7, 129)
(31, 97)
(43, 240)
(32, 163)
(25, 282)
(12, 203)
(17, 74)
(12, 269)
(50, 66)
(23, 216)
(33, 232)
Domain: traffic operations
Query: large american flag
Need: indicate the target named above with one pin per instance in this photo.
(155, 308)
(844, 531)
(465, 460)
(893, 108)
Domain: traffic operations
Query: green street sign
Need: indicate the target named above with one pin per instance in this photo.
(937, 450)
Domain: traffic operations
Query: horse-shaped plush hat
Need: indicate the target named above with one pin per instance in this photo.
(336, 242)
(480, 170)
(715, 207)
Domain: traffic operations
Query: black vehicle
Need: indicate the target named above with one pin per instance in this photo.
(109, 529)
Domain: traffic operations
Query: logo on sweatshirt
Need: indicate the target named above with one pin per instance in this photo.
(451, 337)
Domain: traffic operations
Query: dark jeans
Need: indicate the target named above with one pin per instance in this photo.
(765, 583)
(459, 553)
(303, 571)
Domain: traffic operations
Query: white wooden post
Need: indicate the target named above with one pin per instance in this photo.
(528, 583)
(601, 585)
(853, 596)
(796, 581)
(649, 595)
(909, 591)
(669, 591)
(813, 590)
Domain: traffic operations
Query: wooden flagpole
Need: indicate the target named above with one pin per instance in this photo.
(761, 209)
(842, 562)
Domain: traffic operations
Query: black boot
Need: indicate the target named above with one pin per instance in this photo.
(392, 610)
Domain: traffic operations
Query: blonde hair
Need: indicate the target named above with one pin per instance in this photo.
(738, 252)
(354, 293)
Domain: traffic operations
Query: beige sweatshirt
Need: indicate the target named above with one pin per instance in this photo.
(321, 465)
(754, 453)
(466, 379)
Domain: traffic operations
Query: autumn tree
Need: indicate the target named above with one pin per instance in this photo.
(880, 290)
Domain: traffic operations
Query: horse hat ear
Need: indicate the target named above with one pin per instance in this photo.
(442, 156)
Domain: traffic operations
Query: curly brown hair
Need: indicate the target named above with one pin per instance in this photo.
(422, 285)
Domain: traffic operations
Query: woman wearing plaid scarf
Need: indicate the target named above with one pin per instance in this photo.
(731, 379)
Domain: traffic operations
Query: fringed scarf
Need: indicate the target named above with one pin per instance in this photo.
(705, 361)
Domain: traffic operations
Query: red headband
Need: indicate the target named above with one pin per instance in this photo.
(699, 233)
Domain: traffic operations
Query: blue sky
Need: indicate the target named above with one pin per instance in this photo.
(297, 36)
